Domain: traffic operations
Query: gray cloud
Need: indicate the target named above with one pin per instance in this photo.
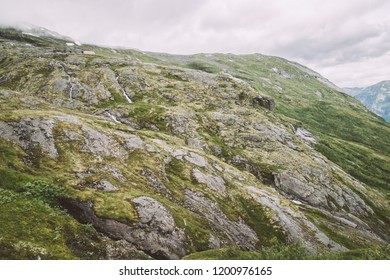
(347, 41)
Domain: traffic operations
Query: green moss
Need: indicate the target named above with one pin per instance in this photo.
(115, 206)
(280, 251)
(203, 66)
(339, 237)
(12, 178)
(374, 253)
(44, 191)
(256, 217)
(224, 254)
(341, 234)
(146, 114)
(361, 162)
(31, 229)
(197, 233)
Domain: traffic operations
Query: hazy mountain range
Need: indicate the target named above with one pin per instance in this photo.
(375, 97)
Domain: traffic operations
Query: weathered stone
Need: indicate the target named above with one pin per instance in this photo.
(155, 234)
(294, 223)
(123, 250)
(131, 142)
(214, 182)
(197, 159)
(266, 102)
(243, 163)
(323, 195)
(100, 144)
(31, 132)
(238, 232)
(216, 150)
(301, 189)
(154, 214)
(305, 135)
(154, 181)
(214, 242)
(104, 185)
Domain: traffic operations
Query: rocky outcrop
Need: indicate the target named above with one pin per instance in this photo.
(30, 133)
(266, 102)
(103, 185)
(236, 233)
(305, 135)
(215, 183)
(155, 233)
(329, 197)
(293, 222)
(154, 181)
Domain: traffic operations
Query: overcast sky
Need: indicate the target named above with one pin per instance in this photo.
(346, 41)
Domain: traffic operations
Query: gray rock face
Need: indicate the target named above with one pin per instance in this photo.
(99, 144)
(197, 159)
(295, 225)
(282, 73)
(179, 124)
(156, 233)
(301, 189)
(31, 132)
(38, 132)
(237, 233)
(214, 182)
(265, 134)
(104, 185)
(123, 250)
(214, 242)
(154, 214)
(245, 164)
(216, 150)
(187, 154)
(154, 181)
(318, 195)
(131, 142)
(305, 135)
(102, 145)
(265, 102)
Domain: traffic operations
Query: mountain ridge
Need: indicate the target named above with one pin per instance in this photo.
(211, 152)
(376, 98)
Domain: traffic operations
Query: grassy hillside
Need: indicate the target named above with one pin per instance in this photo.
(348, 133)
(133, 155)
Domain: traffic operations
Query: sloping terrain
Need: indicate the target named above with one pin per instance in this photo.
(125, 154)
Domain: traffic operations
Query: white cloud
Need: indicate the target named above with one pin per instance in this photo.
(347, 41)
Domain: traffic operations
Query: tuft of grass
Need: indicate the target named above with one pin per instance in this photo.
(280, 251)
(224, 254)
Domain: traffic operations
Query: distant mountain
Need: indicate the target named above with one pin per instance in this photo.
(375, 97)
(353, 91)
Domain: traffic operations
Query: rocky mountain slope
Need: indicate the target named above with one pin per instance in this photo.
(375, 97)
(124, 154)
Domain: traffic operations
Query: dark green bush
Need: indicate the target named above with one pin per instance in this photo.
(44, 191)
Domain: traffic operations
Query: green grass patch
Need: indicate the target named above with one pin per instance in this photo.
(256, 217)
(203, 66)
(224, 254)
(31, 229)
